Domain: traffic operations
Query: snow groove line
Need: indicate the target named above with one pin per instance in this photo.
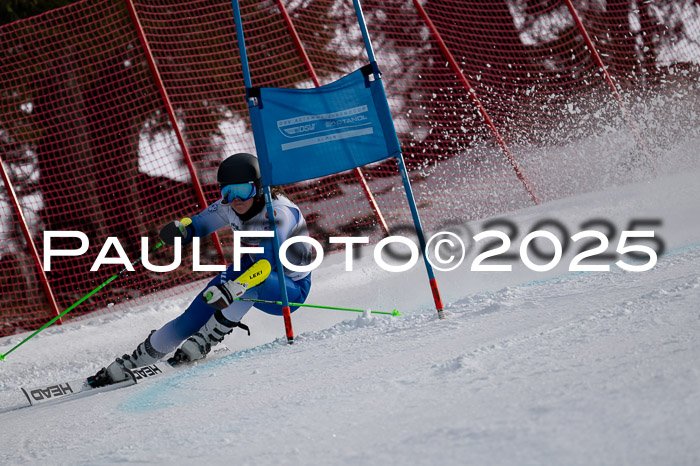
(566, 276)
(154, 395)
(510, 299)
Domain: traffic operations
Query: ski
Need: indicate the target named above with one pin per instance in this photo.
(73, 389)
(79, 388)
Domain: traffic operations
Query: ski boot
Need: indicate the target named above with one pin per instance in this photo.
(143, 355)
(211, 334)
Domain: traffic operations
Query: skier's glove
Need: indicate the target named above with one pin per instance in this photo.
(222, 296)
(175, 229)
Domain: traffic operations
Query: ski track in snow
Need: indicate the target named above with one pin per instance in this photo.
(509, 374)
(565, 368)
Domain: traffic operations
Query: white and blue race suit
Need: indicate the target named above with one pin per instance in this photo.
(289, 223)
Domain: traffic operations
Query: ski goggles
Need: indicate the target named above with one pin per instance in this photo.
(242, 192)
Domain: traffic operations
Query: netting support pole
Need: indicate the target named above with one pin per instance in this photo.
(475, 100)
(312, 72)
(606, 75)
(594, 52)
(199, 192)
(30, 242)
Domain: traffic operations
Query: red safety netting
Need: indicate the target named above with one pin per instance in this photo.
(88, 145)
(87, 150)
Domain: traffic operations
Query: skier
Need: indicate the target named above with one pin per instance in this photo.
(215, 313)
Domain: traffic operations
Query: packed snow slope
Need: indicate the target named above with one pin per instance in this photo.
(554, 367)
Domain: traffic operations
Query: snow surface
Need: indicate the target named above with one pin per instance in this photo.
(528, 368)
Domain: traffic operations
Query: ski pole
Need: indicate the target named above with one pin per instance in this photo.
(76, 304)
(279, 303)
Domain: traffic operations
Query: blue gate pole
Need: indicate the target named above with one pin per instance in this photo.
(404, 173)
(421, 237)
(241, 46)
(365, 38)
(286, 312)
(262, 151)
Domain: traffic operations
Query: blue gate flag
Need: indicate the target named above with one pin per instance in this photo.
(302, 134)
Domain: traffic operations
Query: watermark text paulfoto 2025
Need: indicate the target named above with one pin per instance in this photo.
(637, 248)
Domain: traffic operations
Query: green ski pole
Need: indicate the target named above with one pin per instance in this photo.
(279, 303)
(74, 305)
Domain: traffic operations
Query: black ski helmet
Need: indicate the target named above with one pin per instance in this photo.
(240, 168)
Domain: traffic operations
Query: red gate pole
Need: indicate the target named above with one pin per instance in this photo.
(475, 100)
(199, 192)
(312, 72)
(30, 242)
